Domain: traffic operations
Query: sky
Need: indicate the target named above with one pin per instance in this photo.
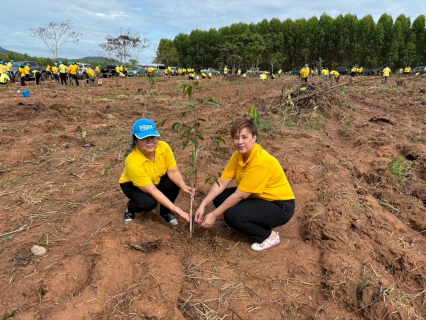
(157, 19)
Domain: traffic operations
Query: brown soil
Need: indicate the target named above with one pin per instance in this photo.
(355, 248)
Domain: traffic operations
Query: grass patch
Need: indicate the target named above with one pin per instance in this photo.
(400, 169)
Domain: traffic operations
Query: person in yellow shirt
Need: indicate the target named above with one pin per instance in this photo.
(91, 76)
(263, 77)
(3, 68)
(203, 75)
(49, 72)
(304, 73)
(209, 75)
(22, 74)
(4, 78)
(386, 73)
(263, 198)
(37, 76)
(191, 76)
(407, 71)
(27, 71)
(353, 71)
(55, 72)
(225, 72)
(73, 72)
(63, 70)
(279, 73)
(169, 71)
(334, 75)
(151, 175)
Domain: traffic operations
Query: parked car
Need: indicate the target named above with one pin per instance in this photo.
(419, 69)
(136, 72)
(212, 70)
(342, 70)
(375, 71)
(174, 71)
(33, 66)
(296, 71)
(108, 72)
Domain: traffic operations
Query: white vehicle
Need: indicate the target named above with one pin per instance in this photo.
(160, 67)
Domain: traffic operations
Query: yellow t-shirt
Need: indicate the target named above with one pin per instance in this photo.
(73, 69)
(55, 69)
(48, 68)
(261, 175)
(142, 172)
(305, 72)
(4, 78)
(334, 73)
(27, 69)
(90, 72)
(386, 72)
(22, 72)
(2, 69)
(63, 68)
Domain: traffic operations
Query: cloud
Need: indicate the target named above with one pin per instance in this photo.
(154, 20)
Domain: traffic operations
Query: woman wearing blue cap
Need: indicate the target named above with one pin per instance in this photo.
(151, 175)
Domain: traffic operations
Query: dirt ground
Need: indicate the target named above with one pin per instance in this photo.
(355, 156)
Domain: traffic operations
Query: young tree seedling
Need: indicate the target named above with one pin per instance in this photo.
(191, 134)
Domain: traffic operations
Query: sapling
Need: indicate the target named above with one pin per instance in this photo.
(191, 133)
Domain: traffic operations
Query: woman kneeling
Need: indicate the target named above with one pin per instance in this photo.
(263, 198)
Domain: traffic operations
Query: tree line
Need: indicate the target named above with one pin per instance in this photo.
(324, 42)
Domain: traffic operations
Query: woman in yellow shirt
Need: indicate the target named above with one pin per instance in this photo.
(151, 175)
(263, 198)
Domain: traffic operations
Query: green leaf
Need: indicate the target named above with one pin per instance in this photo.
(185, 144)
(196, 83)
(199, 100)
(213, 103)
(216, 180)
(183, 115)
(189, 91)
(176, 126)
(200, 119)
(196, 144)
(207, 180)
(182, 87)
(190, 107)
(162, 123)
(189, 171)
(199, 136)
(254, 115)
(193, 156)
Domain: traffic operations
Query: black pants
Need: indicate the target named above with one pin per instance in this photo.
(23, 81)
(63, 77)
(143, 202)
(256, 217)
(37, 78)
(75, 77)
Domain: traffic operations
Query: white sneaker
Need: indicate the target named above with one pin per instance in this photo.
(268, 243)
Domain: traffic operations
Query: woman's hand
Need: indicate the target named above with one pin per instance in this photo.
(199, 214)
(188, 190)
(182, 213)
(208, 221)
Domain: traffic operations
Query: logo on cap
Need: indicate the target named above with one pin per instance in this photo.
(145, 127)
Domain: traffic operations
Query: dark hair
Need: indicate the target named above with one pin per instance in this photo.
(134, 141)
(244, 123)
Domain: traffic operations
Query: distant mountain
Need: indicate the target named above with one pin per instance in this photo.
(5, 51)
(100, 59)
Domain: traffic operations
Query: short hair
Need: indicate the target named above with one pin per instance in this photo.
(244, 123)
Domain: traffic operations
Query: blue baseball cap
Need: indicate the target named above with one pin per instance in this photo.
(144, 128)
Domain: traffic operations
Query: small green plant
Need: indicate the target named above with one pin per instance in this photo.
(217, 140)
(192, 133)
(261, 123)
(364, 284)
(84, 136)
(400, 169)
